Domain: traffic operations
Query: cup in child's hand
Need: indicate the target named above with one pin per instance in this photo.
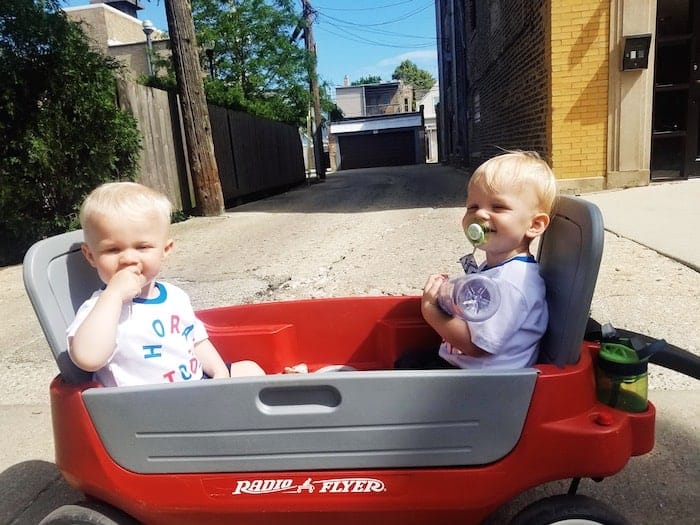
(472, 297)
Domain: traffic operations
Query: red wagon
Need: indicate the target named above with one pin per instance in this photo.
(359, 443)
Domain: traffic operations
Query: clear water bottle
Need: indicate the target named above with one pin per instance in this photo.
(472, 297)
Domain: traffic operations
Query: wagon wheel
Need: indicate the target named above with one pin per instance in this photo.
(570, 510)
(87, 513)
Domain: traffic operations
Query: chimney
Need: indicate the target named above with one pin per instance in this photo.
(346, 81)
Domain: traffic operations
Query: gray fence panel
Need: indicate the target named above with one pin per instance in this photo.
(254, 155)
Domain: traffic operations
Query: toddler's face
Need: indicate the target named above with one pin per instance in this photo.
(114, 243)
(507, 214)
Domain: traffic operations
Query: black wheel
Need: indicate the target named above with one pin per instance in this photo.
(87, 513)
(568, 510)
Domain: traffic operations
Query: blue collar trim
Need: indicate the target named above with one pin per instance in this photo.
(162, 296)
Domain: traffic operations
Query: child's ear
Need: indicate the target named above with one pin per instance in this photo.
(538, 225)
(168, 247)
(88, 254)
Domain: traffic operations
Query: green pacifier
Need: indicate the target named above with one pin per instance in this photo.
(476, 234)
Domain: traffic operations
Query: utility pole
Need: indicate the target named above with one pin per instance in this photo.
(193, 102)
(319, 158)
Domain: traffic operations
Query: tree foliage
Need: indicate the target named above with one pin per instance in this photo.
(369, 79)
(61, 133)
(258, 67)
(410, 73)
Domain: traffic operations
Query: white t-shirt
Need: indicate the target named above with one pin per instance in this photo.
(512, 335)
(155, 340)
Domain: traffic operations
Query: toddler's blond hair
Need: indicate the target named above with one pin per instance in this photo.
(519, 168)
(124, 199)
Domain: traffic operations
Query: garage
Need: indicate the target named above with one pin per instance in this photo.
(392, 140)
(394, 148)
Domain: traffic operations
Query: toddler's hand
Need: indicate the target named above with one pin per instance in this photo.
(432, 288)
(127, 282)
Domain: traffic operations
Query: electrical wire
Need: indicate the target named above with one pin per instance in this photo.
(344, 34)
(362, 40)
(391, 25)
(373, 8)
(364, 33)
(383, 32)
(402, 18)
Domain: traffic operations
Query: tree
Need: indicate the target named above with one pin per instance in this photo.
(410, 73)
(61, 132)
(369, 79)
(258, 66)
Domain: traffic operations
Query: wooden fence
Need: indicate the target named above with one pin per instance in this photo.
(255, 156)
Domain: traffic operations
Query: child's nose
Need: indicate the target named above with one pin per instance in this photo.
(129, 257)
(481, 213)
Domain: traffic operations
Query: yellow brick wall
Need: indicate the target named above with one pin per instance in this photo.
(579, 87)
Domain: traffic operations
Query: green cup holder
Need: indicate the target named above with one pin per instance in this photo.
(621, 377)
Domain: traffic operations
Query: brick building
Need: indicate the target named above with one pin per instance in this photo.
(548, 75)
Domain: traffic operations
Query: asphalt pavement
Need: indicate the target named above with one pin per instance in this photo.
(381, 232)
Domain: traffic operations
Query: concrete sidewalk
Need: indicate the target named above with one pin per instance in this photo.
(662, 216)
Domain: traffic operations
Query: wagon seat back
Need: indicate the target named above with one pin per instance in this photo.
(569, 255)
(58, 280)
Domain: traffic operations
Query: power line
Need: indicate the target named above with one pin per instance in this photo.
(364, 40)
(374, 8)
(384, 32)
(394, 28)
(402, 18)
(366, 33)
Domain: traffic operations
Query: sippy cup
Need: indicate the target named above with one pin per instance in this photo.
(472, 297)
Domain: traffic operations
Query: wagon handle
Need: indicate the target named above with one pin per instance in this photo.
(670, 356)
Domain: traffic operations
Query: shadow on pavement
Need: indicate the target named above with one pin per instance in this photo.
(371, 189)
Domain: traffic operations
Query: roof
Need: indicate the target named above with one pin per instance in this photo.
(377, 123)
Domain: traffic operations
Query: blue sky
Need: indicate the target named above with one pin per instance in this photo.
(356, 37)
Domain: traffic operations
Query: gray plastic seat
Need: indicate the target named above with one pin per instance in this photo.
(569, 255)
(58, 280)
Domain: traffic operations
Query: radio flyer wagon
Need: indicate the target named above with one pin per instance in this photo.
(361, 443)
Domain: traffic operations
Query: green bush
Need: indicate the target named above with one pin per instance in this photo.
(61, 132)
